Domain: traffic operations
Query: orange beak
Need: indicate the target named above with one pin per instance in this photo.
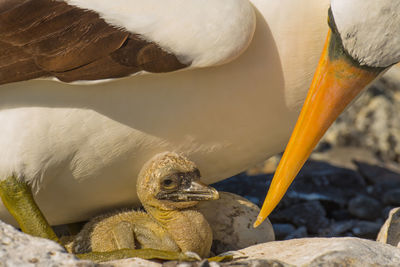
(337, 81)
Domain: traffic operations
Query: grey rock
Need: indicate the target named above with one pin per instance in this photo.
(282, 230)
(313, 252)
(366, 229)
(19, 249)
(364, 207)
(392, 197)
(390, 231)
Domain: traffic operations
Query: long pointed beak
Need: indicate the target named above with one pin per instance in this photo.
(337, 81)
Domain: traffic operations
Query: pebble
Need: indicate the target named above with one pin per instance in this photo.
(364, 207)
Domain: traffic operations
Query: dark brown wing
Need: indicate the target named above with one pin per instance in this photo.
(47, 38)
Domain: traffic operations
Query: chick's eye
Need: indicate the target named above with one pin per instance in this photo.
(169, 183)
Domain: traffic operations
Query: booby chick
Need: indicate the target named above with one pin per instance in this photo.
(169, 188)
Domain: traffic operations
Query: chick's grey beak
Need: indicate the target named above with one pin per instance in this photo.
(199, 191)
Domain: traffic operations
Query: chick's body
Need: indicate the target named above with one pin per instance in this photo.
(126, 229)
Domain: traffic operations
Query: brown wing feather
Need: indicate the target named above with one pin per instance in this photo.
(48, 38)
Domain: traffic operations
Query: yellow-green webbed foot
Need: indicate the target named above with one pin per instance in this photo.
(18, 199)
(169, 187)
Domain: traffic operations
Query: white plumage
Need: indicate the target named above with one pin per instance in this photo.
(201, 32)
(83, 146)
(369, 29)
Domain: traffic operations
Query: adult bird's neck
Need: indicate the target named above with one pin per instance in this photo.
(188, 228)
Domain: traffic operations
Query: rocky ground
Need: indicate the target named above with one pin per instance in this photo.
(18, 249)
(347, 190)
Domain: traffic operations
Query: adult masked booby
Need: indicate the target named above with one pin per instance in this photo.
(82, 109)
(363, 41)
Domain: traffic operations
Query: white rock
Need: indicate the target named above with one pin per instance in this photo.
(19, 249)
(231, 219)
(313, 252)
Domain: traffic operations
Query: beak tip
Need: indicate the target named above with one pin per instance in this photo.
(215, 195)
(259, 221)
